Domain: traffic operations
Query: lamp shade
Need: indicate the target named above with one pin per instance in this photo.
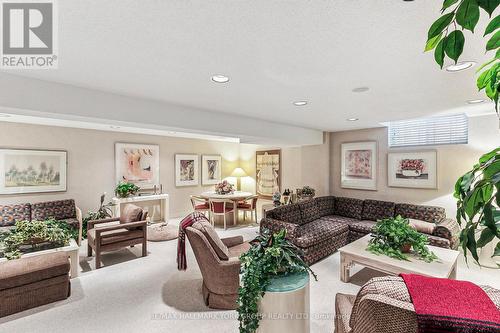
(238, 172)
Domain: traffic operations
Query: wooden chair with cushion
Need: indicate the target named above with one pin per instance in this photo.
(115, 233)
(219, 263)
(249, 205)
(200, 204)
(221, 207)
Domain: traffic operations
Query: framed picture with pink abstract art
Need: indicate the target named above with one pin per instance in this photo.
(412, 169)
(138, 164)
(359, 165)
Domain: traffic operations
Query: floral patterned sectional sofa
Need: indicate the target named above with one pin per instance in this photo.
(322, 225)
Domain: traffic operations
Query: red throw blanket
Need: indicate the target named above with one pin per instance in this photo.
(444, 305)
(181, 241)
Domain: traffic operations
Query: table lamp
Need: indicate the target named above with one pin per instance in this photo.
(238, 173)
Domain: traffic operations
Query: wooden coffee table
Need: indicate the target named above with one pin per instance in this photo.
(355, 253)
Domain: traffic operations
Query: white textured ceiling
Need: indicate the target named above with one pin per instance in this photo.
(275, 52)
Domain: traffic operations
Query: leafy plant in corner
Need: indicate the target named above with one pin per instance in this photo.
(478, 195)
(104, 211)
(124, 189)
(271, 255)
(447, 40)
(31, 235)
(391, 236)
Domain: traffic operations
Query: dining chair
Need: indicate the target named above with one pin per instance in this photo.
(200, 204)
(249, 204)
(220, 207)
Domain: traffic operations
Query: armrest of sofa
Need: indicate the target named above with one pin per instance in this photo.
(79, 217)
(449, 229)
(276, 225)
(232, 241)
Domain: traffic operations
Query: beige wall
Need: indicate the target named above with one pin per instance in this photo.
(453, 161)
(91, 162)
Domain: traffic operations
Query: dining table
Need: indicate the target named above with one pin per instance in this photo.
(236, 196)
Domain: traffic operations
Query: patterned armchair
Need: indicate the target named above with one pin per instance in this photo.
(383, 305)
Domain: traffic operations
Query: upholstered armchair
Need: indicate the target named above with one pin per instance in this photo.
(383, 305)
(115, 233)
(219, 264)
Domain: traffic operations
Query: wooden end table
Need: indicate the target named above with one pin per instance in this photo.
(355, 253)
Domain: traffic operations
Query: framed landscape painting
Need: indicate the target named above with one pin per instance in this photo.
(412, 169)
(211, 173)
(359, 165)
(268, 168)
(138, 164)
(32, 171)
(186, 170)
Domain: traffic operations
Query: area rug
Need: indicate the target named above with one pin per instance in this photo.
(162, 232)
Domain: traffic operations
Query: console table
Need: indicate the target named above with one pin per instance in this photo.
(157, 206)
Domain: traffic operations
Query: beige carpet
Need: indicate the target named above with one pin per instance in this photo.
(134, 294)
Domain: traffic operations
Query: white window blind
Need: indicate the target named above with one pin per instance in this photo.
(440, 130)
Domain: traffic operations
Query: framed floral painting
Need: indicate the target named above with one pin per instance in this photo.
(359, 165)
(412, 169)
(186, 170)
(211, 169)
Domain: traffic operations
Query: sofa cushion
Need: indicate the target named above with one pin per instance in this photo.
(18, 272)
(287, 213)
(318, 231)
(339, 219)
(326, 205)
(349, 207)
(364, 226)
(438, 241)
(309, 211)
(375, 210)
(10, 214)
(209, 232)
(59, 210)
(419, 212)
(130, 213)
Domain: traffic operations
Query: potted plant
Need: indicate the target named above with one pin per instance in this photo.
(271, 255)
(104, 211)
(124, 189)
(394, 237)
(30, 236)
(478, 195)
(224, 187)
(306, 193)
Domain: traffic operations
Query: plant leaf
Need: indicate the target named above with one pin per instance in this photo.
(431, 43)
(439, 52)
(497, 250)
(488, 5)
(486, 236)
(492, 26)
(471, 243)
(455, 44)
(439, 25)
(494, 42)
(468, 14)
(448, 3)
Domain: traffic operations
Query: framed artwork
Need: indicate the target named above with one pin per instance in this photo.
(211, 169)
(138, 164)
(359, 165)
(412, 169)
(268, 172)
(186, 170)
(32, 171)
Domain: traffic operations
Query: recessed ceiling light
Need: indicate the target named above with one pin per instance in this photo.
(352, 119)
(114, 127)
(475, 101)
(220, 78)
(461, 66)
(360, 89)
(300, 103)
(3, 115)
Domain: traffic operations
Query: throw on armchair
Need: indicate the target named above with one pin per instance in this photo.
(219, 264)
(108, 235)
(383, 305)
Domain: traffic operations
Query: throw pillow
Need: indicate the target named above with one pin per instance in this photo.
(422, 226)
(209, 232)
(130, 213)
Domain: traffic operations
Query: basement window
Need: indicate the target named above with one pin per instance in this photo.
(430, 131)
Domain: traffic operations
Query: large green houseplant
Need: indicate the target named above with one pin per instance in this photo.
(271, 255)
(478, 195)
(446, 38)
